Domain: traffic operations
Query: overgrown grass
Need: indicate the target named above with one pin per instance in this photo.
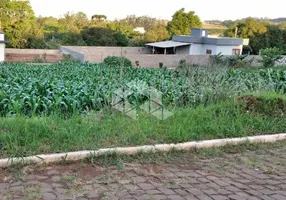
(22, 136)
(67, 106)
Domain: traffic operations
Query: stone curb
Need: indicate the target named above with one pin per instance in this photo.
(80, 155)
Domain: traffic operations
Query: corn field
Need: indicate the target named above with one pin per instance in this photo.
(71, 87)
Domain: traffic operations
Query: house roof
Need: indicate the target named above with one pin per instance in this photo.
(225, 41)
(167, 44)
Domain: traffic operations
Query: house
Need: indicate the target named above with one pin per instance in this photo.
(141, 30)
(2, 46)
(199, 43)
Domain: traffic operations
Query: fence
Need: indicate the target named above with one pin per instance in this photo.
(139, 55)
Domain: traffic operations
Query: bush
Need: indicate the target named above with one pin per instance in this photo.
(236, 61)
(269, 56)
(217, 59)
(116, 61)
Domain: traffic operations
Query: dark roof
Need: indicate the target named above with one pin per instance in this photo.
(210, 40)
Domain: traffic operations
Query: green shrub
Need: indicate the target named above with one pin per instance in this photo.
(217, 59)
(115, 61)
(236, 61)
(269, 56)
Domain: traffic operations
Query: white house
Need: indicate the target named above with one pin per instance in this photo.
(141, 30)
(2, 47)
(199, 43)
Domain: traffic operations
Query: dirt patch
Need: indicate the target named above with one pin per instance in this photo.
(263, 106)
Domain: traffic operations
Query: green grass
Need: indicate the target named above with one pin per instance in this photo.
(67, 106)
(22, 136)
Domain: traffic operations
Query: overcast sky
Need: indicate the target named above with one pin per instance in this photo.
(163, 9)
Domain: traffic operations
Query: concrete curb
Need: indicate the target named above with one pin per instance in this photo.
(80, 155)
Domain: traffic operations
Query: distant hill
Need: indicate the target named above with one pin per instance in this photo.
(214, 29)
(278, 20)
(213, 26)
(227, 23)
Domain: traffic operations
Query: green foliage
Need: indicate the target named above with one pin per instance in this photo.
(261, 34)
(98, 36)
(17, 18)
(182, 22)
(121, 39)
(249, 28)
(217, 59)
(115, 61)
(99, 18)
(74, 87)
(236, 61)
(157, 35)
(144, 21)
(22, 136)
(269, 56)
(203, 101)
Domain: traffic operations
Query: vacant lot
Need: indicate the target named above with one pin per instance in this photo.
(71, 106)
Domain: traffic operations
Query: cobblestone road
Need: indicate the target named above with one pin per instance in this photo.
(256, 174)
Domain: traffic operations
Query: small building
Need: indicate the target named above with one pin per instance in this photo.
(199, 43)
(141, 30)
(2, 47)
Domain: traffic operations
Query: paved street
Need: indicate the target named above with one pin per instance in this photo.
(251, 174)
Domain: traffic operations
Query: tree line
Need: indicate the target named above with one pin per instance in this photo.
(24, 30)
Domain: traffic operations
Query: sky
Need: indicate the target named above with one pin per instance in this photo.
(162, 9)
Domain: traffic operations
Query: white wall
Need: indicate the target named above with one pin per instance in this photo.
(2, 52)
(209, 46)
(195, 49)
(199, 49)
(227, 50)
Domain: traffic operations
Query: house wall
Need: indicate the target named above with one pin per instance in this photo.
(227, 50)
(200, 49)
(2, 52)
(185, 50)
(208, 46)
(195, 49)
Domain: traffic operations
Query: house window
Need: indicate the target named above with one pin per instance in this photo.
(235, 51)
(208, 51)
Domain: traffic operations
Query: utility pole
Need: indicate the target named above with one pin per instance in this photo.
(235, 33)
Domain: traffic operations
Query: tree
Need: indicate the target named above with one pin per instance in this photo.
(269, 56)
(182, 22)
(157, 35)
(252, 29)
(274, 37)
(247, 29)
(121, 26)
(98, 36)
(99, 18)
(50, 24)
(282, 25)
(17, 19)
